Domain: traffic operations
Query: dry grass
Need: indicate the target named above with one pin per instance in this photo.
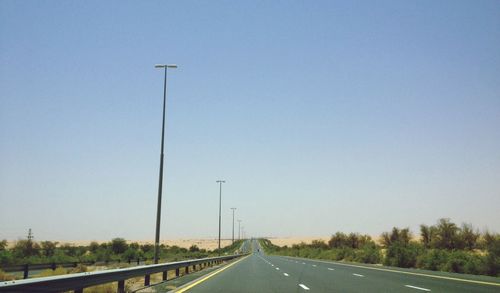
(6, 277)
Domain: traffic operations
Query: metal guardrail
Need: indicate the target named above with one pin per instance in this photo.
(77, 282)
(25, 268)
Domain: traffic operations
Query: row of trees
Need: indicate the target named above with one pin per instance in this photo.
(30, 252)
(443, 246)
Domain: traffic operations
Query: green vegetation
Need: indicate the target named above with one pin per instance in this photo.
(441, 247)
(117, 250)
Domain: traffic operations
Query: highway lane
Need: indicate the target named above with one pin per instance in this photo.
(263, 273)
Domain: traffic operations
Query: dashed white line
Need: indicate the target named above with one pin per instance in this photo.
(358, 275)
(418, 288)
(304, 286)
(303, 263)
(314, 265)
(277, 269)
(286, 275)
(330, 269)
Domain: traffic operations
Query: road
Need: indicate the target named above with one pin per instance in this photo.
(264, 273)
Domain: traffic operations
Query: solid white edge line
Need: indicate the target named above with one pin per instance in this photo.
(418, 288)
(304, 286)
(330, 269)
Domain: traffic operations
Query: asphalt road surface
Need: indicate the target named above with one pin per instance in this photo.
(264, 273)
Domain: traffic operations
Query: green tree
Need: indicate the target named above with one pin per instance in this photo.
(48, 248)
(93, 246)
(468, 236)
(26, 248)
(194, 248)
(446, 234)
(118, 245)
(3, 245)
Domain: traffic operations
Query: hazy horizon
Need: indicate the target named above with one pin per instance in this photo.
(321, 116)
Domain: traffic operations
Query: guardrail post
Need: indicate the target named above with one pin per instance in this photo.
(138, 261)
(194, 268)
(121, 286)
(80, 290)
(177, 272)
(53, 266)
(165, 275)
(147, 279)
(129, 260)
(26, 271)
(186, 270)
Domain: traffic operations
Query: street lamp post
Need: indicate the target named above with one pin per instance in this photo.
(233, 224)
(239, 229)
(220, 205)
(160, 183)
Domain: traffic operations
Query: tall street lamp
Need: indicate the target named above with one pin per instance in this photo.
(220, 200)
(160, 183)
(233, 225)
(239, 229)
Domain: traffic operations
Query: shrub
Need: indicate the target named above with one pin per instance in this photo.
(369, 253)
(118, 245)
(400, 255)
(432, 259)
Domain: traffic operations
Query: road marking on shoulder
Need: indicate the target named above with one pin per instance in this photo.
(286, 275)
(304, 286)
(411, 273)
(303, 263)
(418, 288)
(209, 276)
(358, 275)
(314, 265)
(330, 269)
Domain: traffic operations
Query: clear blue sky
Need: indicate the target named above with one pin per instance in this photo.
(321, 115)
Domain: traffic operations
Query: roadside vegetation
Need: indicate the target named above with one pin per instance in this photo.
(116, 253)
(440, 247)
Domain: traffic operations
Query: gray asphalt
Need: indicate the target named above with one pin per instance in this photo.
(264, 273)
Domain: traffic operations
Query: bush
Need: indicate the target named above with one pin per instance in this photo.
(369, 253)
(118, 245)
(400, 255)
(432, 259)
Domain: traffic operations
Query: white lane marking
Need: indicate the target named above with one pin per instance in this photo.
(418, 288)
(314, 265)
(406, 273)
(303, 263)
(330, 269)
(272, 265)
(358, 275)
(304, 286)
(277, 269)
(286, 275)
